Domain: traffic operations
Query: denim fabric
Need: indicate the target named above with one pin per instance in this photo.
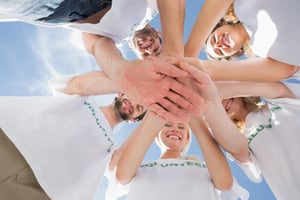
(73, 10)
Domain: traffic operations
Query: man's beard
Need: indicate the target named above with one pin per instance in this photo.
(118, 110)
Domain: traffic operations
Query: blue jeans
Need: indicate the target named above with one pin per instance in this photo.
(73, 10)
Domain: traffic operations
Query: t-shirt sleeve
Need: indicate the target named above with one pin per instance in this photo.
(251, 169)
(235, 192)
(115, 189)
(58, 84)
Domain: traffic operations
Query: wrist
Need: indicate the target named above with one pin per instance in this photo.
(214, 109)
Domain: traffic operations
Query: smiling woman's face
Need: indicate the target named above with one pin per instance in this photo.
(175, 136)
(225, 41)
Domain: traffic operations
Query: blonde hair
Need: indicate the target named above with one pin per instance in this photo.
(147, 30)
(163, 147)
(230, 18)
(253, 103)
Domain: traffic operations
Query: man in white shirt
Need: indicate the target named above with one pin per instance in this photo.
(57, 147)
(114, 24)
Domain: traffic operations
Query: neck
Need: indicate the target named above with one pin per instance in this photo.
(170, 154)
(111, 115)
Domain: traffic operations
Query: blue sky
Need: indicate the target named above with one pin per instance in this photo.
(30, 55)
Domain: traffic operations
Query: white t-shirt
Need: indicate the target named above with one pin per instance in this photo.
(66, 140)
(275, 27)
(119, 23)
(172, 179)
(273, 135)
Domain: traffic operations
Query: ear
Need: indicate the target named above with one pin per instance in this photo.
(158, 33)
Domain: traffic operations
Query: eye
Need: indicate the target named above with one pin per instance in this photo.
(168, 125)
(145, 54)
(181, 127)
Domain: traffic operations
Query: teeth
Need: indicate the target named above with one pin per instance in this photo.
(229, 105)
(174, 137)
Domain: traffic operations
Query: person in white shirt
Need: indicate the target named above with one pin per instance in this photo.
(267, 23)
(173, 175)
(57, 147)
(115, 24)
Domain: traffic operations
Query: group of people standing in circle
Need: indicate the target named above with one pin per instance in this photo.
(240, 101)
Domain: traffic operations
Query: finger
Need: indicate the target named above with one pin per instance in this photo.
(188, 94)
(171, 70)
(168, 116)
(195, 73)
(183, 103)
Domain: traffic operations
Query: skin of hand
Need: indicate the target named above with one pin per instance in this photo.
(252, 70)
(150, 82)
(91, 83)
(172, 13)
(269, 90)
(136, 146)
(210, 14)
(215, 160)
(226, 133)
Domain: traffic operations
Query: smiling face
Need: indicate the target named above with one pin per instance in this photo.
(226, 41)
(235, 108)
(127, 109)
(146, 42)
(175, 137)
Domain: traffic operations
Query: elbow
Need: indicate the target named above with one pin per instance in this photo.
(290, 70)
(123, 178)
(225, 183)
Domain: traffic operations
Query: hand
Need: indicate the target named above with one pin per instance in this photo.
(151, 82)
(202, 84)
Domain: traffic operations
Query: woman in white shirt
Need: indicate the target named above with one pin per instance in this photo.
(173, 175)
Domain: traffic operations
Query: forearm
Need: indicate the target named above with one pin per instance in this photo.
(109, 58)
(226, 133)
(172, 15)
(136, 147)
(210, 14)
(255, 69)
(91, 83)
(216, 162)
(269, 90)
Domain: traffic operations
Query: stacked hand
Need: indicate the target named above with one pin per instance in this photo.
(154, 83)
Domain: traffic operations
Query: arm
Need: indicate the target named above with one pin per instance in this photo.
(216, 162)
(210, 14)
(136, 147)
(226, 133)
(172, 15)
(268, 90)
(139, 78)
(255, 69)
(91, 83)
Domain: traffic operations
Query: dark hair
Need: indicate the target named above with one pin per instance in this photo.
(140, 117)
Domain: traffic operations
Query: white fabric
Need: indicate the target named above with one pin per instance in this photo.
(120, 22)
(275, 27)
(273, 134)
(171, 179)
(66, 140)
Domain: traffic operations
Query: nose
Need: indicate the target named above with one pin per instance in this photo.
(175, 130)
(219, 43)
